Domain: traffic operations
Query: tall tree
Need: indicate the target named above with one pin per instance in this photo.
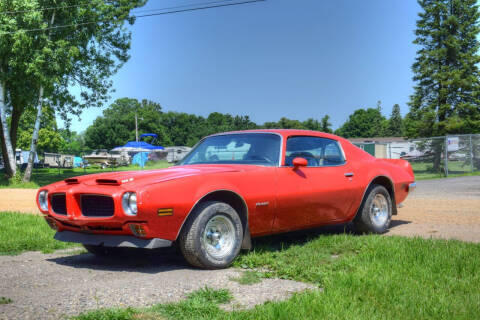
(446, 99)
(80, 48)
(395, 123)
(326, 125)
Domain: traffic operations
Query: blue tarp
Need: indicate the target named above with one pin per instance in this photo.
(77, 162)
(140, 158)
(142, 145)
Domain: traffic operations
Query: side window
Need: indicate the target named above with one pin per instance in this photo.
(319, 152)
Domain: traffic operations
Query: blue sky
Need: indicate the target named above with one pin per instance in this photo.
(294, 58)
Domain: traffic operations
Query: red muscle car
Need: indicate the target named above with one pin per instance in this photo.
(231, 187)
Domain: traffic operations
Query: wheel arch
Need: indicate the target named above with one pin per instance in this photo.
(235, 201)
(386, 182)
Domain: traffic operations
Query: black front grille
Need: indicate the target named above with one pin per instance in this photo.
(97, 206)
(59, 203)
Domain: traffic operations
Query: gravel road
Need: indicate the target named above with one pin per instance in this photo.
(441, 208)
(53, 286)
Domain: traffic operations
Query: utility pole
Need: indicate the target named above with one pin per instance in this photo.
(136, 126)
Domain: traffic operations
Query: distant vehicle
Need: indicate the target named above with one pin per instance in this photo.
(229, 188)
(58, 160)
(21, 159)
(105, 159)
(176, 153)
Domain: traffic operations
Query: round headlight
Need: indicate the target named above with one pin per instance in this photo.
(129, 203)
(43, 200)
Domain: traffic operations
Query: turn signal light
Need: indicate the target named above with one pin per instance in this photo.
(138, 230)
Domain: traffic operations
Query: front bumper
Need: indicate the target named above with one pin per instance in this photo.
(111, 240)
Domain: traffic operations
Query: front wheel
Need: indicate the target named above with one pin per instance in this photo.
(375, 213)
(212, 236)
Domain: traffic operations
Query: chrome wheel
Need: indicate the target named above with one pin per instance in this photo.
(219, 237)
(379, 210)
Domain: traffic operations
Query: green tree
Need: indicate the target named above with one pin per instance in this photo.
(117, 125)
(395, 123)
(326, 125)
(40, 68)
(447, 89)
(363, 123)
(49, 139)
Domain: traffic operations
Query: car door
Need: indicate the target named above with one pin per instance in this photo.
(316, 194)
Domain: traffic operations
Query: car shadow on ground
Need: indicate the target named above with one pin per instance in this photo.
(133, 260)
(396, 223)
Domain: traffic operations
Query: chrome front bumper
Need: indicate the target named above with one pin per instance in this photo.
(111, 240)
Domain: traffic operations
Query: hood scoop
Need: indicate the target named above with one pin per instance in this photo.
(71, 181)
(110, 182)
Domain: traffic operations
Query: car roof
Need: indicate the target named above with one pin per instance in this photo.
(287, 133)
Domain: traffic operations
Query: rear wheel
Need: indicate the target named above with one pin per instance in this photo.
(375, 213)
(212, 236)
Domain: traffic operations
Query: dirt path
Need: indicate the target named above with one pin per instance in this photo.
(18, 200)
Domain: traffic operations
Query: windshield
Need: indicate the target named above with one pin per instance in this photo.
(243, 148)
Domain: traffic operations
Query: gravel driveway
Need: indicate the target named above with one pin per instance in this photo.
(52, 286)
(441, 208)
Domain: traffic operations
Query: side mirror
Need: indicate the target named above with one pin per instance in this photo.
(299, 162)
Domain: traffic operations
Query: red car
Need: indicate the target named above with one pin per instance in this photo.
(231, 187)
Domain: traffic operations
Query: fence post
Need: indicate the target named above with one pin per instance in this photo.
(471, 153)
(446, 156)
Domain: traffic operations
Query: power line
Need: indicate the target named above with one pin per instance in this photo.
(142, 16)
(81, 5)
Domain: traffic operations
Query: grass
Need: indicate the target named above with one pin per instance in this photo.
(248, 277)
(26, 232)
(45, 176)
(363, 277)
(424, 170)
(4, 300)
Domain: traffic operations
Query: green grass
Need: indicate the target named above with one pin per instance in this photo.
(26, 232)
(363, 277)
(248, 277)
(4, 300)
(45, 176)
(424, 170)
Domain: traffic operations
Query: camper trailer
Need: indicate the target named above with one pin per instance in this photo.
(57, 160)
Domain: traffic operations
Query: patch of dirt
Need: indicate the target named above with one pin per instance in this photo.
(446, 208)
(18, 200)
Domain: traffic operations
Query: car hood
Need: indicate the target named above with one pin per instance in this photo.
(151, 176)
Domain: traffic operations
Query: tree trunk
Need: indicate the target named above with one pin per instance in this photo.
(15, 121)
(9, 153)
(33, 145)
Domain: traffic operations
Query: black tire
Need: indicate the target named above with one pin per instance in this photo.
(196, 242)
(370, 220)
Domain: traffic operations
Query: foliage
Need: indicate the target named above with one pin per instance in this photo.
(367, 277)
(447, 91)
(395, 123)
(27, 232)
(82, 55)
(363, 123)
(248, 277)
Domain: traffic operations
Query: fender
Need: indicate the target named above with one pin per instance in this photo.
(394, 204)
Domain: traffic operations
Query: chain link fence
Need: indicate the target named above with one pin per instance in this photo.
(443, 156)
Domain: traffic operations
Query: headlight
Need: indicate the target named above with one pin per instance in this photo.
(43, 200)
(129, 203)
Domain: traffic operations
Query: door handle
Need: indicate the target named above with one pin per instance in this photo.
(349, 174)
